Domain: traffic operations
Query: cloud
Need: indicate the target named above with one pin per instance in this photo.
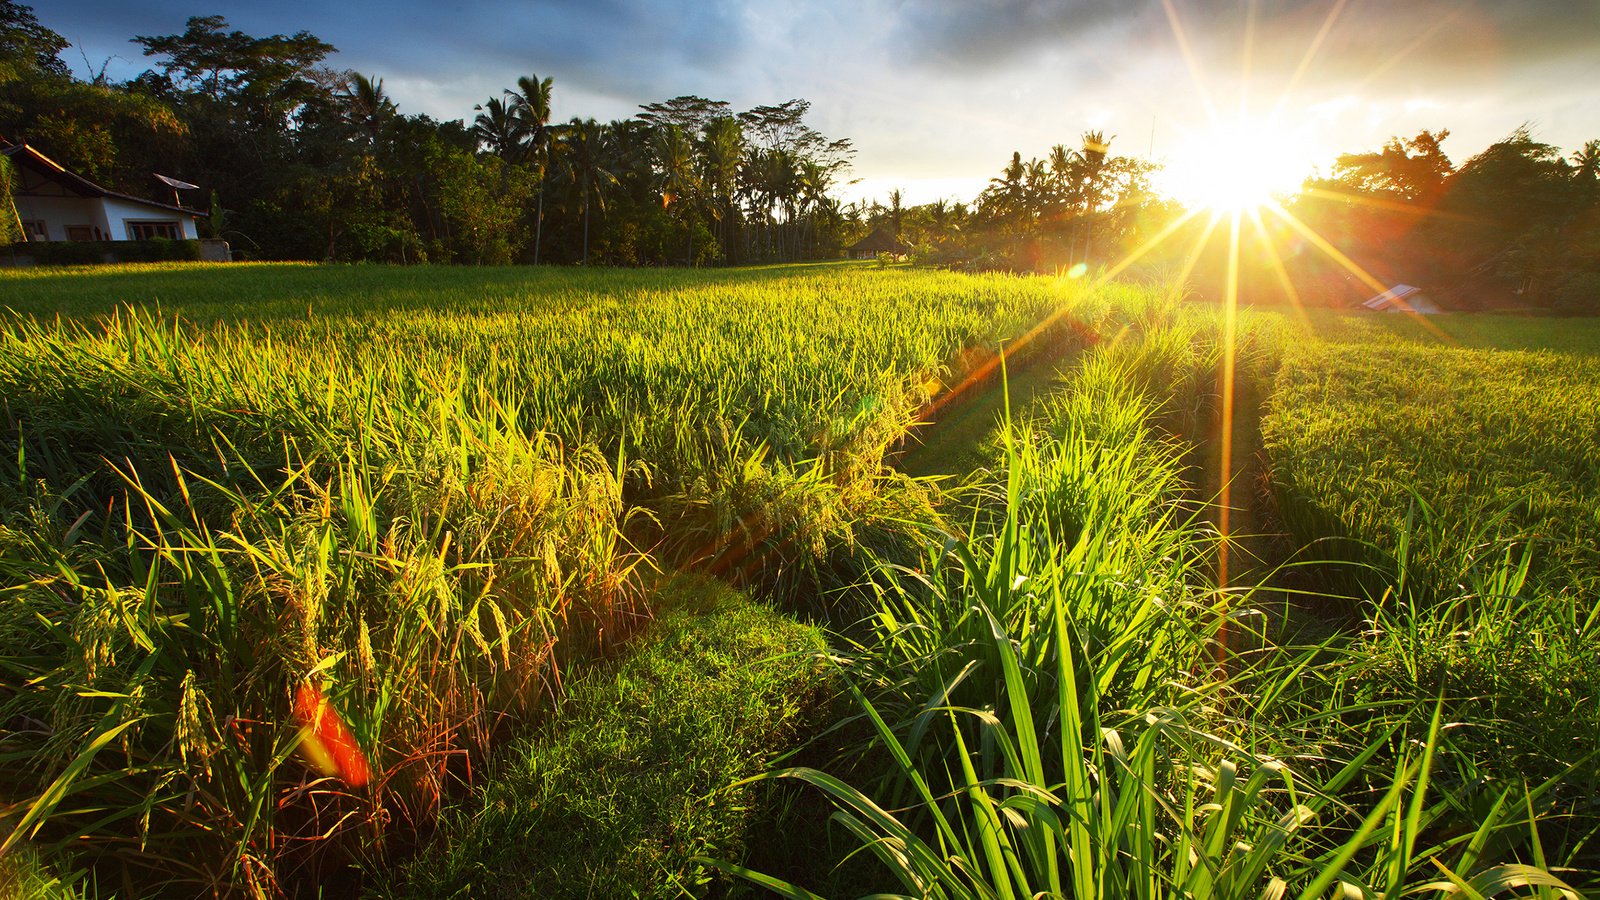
(932, 89)
(988, 34)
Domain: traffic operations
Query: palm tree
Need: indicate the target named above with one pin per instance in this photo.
(770, 182)
(677, 178)
(583, 163)
(531, 106)
(367, 107)
(1095, 147)
(815, 180)
(1005, 193)
(1586, 170)
(721, 150)
(499, 130)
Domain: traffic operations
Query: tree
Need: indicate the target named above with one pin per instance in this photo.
(583, 163)
(1407, 169)
(366, 107)
(1096, 146)
(690, 113)
(1002, 200)
(679, 181)
(721, 150)
(26, 47)
(499, 130)
(531, 107)
(267, 78)
(482, 197)
(10, 219)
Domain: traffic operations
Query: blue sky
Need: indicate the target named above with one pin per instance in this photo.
(936, 94)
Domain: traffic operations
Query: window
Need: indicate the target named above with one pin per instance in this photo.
(144, 231)
(34, 230)
(80, 233)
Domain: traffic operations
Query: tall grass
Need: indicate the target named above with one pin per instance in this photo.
(1057, 710)
(1498, 446)
(424, 496)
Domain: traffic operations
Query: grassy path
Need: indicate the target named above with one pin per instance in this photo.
(950, 440)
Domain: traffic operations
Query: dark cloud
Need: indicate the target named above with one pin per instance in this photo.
(621, 48)
(948, 88)
(1005, 33)
(1442, 36)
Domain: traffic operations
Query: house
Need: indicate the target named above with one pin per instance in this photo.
(1403, 298)
(53, 204)
(878, 242)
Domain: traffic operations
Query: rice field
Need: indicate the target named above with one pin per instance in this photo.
(434, 500)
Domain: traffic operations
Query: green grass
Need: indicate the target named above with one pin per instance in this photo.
(625, 788)
(442, 494)
(425, 490)
(1457, 471)
(1058, 709)
(1502, 446)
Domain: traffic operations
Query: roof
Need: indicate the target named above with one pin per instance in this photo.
(881, 241)
(1393, 295)
(23, 154)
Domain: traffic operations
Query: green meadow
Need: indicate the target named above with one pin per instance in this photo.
(614, 575)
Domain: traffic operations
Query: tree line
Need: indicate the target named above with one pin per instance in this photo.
(1076, 206)
(1517, 224)
(302, 161)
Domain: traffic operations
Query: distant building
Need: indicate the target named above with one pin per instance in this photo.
(53, 204)
(1403, 298)
(879, 242)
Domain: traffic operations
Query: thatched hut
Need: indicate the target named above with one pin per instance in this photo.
(879, 242)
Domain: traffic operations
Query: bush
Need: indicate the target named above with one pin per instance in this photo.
(1579, 294)
(89, 253)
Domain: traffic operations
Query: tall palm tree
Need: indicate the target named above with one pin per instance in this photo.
(1586, 169)
(722, 148)
(1095, 148)
(815, 180)
(530, 104)
(584, 165)
(1064, 166)
(677, 175)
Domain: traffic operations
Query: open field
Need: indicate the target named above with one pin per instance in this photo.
(450, 498)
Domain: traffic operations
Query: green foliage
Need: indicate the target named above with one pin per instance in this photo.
(77, 253)
(624, 788)
(1057, 710)
(10, 224)
(426, 490)
(1498, 444)
(1579, 294)
(482, 198)
(27, 46)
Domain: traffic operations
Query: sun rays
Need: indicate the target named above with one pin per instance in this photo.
(1233, 172)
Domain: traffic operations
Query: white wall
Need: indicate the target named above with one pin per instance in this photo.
(119, 212)
(108, 214)
(59, 212)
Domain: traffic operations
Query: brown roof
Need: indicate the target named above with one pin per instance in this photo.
(22, 154)
(881, 241)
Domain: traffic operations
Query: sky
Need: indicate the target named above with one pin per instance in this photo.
(937, 94)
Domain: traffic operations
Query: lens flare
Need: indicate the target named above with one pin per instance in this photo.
(325, 741)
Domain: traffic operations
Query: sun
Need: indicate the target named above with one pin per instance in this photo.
(1236, 165)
